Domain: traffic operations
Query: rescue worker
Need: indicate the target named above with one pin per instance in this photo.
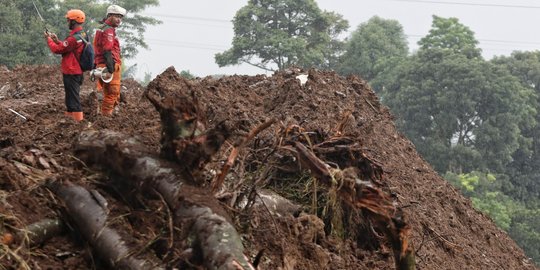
(107, 49)
(71, 49)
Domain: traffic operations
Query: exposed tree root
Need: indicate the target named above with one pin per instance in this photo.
(184, 136)
(220, 178)
(362, 195)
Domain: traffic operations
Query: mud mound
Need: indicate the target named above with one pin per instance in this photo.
(447, 233)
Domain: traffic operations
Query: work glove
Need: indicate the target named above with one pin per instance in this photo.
(109, 62)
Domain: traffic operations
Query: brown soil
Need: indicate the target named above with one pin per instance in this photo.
(447, 233)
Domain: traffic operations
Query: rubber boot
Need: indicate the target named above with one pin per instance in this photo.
(77, 116)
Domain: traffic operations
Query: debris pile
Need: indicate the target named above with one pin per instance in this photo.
(300, 170)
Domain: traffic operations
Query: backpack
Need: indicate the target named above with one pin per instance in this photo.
(86, 60)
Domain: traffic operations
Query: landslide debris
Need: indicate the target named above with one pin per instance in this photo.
(274, 202)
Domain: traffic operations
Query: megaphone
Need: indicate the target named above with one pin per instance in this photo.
(102, 74)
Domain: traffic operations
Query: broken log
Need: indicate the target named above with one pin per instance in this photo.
(219, 242)
(35, 233)
(91, 220)
(41, 231)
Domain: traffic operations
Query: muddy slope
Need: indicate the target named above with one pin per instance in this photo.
(447, 232)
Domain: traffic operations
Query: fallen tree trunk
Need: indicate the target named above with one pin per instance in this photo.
(218, 240)
(91, 218)
(35, 233)
(41, 231)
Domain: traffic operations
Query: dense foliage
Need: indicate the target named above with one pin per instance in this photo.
(276, 34)
(487, 195)
(21, 27)
(373, 50)
(469, 118)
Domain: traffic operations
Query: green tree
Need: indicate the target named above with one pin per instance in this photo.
(131, 32)
(273, 34)
(484, 190)
(525, 230)
(21, 34)
(449, 33)
(374, 50)
(146, 80)
(462, 112)
(187, 74)
(128, 71)
(524, 171)
(21, 30)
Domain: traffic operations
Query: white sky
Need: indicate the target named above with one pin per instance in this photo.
(192, 32)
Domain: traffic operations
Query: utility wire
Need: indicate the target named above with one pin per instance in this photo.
(187, 17)
(199, 24)
(410, 36)
(464, 4)
(222, 21)
(515, 42)
(184, 43)
(186, 47)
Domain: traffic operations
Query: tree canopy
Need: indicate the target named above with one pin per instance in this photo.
(374, 49)
(524, 171)
(487, 195)
(275, 34)
(462, 113)
(475, 121)
(449, 33)
(22, 28)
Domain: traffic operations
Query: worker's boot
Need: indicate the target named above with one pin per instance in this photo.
(78, 116)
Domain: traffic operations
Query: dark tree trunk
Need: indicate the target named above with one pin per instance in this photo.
(218, 240)
(91, 219)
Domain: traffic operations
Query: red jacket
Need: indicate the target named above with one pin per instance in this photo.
(106, 40)
(71, 50)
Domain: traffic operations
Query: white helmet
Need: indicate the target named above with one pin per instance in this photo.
(115, 9)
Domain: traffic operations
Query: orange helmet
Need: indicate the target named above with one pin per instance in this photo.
(76, 15)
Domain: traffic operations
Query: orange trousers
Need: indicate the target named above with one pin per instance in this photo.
(111, 91)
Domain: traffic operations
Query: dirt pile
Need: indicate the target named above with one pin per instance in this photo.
(446, 232)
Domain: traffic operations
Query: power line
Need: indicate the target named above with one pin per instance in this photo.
(187, 17)
(416, 36)
(214, 46)
(199, 24)
(511, 42)
(187, 47)
(221, 21)
(411, 35)
(465, 4)
(515, 42)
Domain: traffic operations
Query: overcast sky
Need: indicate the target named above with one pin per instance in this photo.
(192, 32)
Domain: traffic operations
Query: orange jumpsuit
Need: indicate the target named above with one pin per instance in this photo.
(107, 46)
